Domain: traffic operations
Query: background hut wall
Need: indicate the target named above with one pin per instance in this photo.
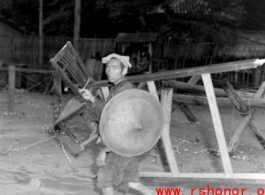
(24, 50)
(167, 55)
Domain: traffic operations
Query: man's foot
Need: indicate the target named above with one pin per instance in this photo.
(108, 191)
(141, 188)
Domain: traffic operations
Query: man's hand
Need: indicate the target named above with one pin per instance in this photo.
(87, 94)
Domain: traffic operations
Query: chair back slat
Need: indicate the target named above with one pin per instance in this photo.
(71, 68)
(79, 61)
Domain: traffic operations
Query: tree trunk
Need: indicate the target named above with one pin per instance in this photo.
(41, 34)
(77, 23)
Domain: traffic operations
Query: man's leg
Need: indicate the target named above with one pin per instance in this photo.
(132, 177)
(141, 188)
(111, 174)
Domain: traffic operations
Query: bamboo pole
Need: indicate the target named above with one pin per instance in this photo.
(215, 68)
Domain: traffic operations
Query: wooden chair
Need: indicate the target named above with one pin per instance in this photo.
(70, 68)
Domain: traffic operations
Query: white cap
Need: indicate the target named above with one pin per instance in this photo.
(125, 60)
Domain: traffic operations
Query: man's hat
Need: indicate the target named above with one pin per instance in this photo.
(131, 123)
(125, 60)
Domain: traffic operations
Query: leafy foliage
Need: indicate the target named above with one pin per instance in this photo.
(182, 20)
(24, 13)
(202, 20)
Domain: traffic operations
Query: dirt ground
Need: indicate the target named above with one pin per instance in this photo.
(35, 162)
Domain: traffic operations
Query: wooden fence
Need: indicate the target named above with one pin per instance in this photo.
(25, 49)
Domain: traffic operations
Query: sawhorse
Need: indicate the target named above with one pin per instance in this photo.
(166, 98)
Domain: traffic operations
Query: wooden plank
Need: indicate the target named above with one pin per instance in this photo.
(29, 70)
(207, 81)
(141, 85)
(185, 108)
(215, 68)
(57, 91)
(11, 88)
(254, 176)
(156, 174)
(194, 79)
(150, 51)
(234, 98)
(246, 119)
(223, 102)
(166, 100)
(166, 103)
(200, 89)
(105, 92)
(152, 89)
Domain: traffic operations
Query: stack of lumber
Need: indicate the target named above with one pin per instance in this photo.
(196, 95)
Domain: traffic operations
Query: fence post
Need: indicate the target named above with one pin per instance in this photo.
(11, 87)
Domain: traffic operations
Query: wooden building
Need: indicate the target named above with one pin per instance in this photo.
(7, 28)
(139, 46)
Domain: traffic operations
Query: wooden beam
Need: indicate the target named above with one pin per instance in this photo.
(29, 70)
(200, 89)
(234, 98)
(105, 92)
(185, 108)
(223, 102)
(152, 89)
(223, 67)
(57, 91)
(194, 79)
(11, 88)
(166, 103)
(166, 100)
(219, 132)
(254, 176)
(141, 85)
(245, 113)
